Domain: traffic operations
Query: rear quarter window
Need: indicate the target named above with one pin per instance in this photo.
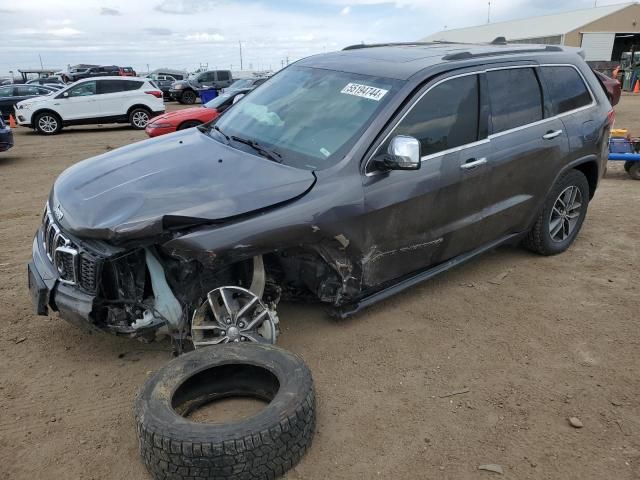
(567, 90)
(516, 98)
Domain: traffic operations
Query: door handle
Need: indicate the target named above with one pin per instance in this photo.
(552, 134)
(473, 163)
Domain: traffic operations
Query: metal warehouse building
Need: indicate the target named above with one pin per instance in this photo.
(603, 32)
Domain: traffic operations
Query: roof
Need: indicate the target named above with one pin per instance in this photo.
(401, 61)
(532, 27)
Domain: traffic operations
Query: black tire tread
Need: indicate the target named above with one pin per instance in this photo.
(265, 454)
(534, 240)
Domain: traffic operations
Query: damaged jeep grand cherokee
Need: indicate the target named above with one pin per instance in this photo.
(343, 179)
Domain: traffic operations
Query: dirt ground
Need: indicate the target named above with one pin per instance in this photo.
(531, 340)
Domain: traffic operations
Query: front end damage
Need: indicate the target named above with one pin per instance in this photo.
(145, 289)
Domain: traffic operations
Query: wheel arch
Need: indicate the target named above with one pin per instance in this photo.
(192, 120)
(138, 105)
(35, 114)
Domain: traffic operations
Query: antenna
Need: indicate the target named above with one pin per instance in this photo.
(240, 43)
(489, 13)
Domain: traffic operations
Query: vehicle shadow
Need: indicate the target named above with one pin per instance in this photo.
(8, 159)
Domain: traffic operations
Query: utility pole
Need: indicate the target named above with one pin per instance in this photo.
(240, 43)
(489, 13)
(40, 57)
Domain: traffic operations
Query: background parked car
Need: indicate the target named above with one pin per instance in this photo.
(187, 91)
(12, 94)
(104, 100)
(192, 117)
(45, 81)
(611, 86)
(104, 71)
(127, 72)
(163, 82)
(6, 136)
(245, 83)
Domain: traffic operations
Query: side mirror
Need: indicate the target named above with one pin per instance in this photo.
(403, 154)
(238, 97)
(65, 95)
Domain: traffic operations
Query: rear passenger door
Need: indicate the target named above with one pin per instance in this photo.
(572, 101)
(116, 96)
(223, 79)
(529, 146)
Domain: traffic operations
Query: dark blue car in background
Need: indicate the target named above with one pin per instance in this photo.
(6, 137)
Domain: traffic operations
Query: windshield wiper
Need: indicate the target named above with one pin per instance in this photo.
(270, 154)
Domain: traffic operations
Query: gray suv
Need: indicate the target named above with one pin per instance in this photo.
(343, 179)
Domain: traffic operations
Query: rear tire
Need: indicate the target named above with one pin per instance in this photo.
(562, 215)
(47, 123)
(139, 118)
(188, 98)
(634, 171)
(189, 124)
(627, 166)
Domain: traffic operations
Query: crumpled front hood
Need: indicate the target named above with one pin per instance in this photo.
(180, 179)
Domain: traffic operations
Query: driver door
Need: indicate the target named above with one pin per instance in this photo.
(419, 218)
(80, 103)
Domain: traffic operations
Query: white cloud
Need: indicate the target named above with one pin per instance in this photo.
(345, 11)
(205, 37)
(55, 22)
(64, 32)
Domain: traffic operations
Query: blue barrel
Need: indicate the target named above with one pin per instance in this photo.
(208, 95)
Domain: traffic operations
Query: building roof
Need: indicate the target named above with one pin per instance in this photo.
(532, 27)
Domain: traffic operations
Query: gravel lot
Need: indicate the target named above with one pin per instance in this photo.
(531, 340)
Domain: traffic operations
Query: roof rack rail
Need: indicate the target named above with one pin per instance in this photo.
(466, 54)
(358, 46)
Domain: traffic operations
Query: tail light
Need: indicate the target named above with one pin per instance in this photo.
(155, 93)
(611, 117)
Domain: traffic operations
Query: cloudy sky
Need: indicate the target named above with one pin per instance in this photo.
(186, 33)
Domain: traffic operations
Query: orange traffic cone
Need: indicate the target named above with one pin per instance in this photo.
(636, 89)
(12, 122)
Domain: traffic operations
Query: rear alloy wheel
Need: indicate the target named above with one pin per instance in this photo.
(189, 124)
(634, 171)
(139, 118)
(561, 217)
(188, 98)
(47, 123)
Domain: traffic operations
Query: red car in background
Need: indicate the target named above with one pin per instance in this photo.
(192, 117)
(611, 86)
(127, 72)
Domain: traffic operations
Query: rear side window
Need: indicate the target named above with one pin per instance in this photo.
(516, 98)
(131, 85)
(223, 76)
(567, 90)
(6, 92)
(27, 90)
(445, 117)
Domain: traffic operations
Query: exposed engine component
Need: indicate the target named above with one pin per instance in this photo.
(165, 303)
(233, 314)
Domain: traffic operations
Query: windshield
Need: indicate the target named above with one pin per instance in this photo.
(310, 117)
(244, 83)
(219, 100)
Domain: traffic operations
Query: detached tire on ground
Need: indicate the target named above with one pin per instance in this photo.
(634, 171)
(263, 446)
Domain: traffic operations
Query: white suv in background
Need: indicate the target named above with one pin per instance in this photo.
(93, 100)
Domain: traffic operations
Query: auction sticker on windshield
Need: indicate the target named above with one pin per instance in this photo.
(364, 91)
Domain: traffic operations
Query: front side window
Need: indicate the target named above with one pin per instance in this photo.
(516, 98)
(445, 117)
(567, 90)
(311, 117)
(83, 90)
